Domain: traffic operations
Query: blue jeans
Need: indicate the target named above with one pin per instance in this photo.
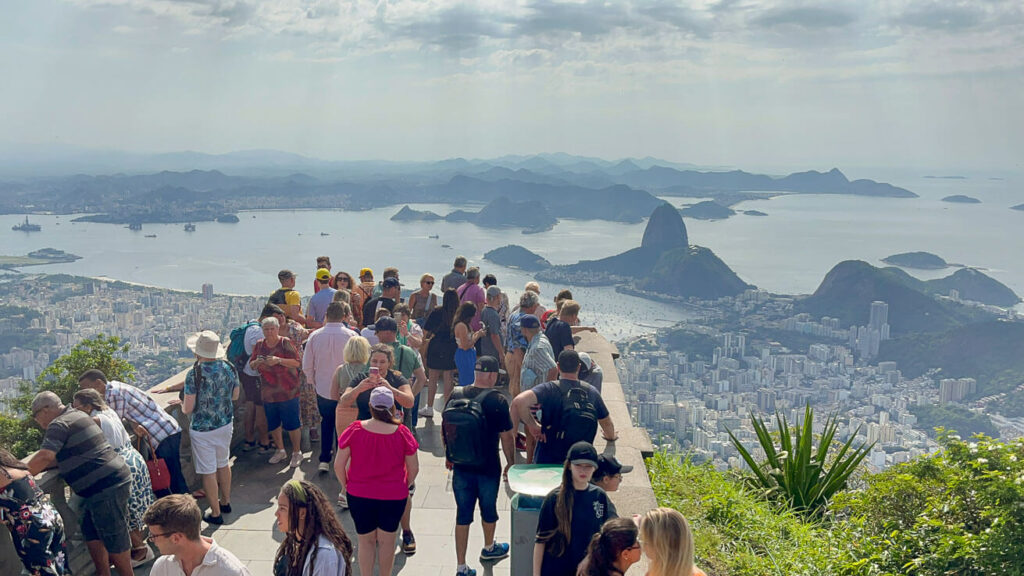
(328, 438)
(472, 487)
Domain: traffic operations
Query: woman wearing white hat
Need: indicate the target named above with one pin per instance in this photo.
(211, 386)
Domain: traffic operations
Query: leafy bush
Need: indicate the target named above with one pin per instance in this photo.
(22, 435)
(797, 473)
(739, 533)
(959, 511)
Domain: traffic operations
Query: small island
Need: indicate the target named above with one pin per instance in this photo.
(407, 214)
(754, 213)
(919, 260)
(961, 199)
(515, 256)
(38, 258)
(707, 210)
(227, 219)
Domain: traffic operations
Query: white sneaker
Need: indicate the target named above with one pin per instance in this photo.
(296, 460)
(278, 457)
(324, 467)
(342, 500)
(427, 412)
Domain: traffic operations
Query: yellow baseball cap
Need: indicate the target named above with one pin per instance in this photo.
(323, 274)
(366, 272)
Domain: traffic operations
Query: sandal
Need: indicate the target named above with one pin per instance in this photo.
(199, 494)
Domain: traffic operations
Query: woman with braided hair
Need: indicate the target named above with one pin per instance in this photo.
(314, 542)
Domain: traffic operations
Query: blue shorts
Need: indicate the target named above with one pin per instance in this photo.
(471, 487)
(283, 413)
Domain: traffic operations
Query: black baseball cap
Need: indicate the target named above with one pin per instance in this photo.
(569, 362)
(583, 453)
(487, 364)
(385, 324)
(610, 466)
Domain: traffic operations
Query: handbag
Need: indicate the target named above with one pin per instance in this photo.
(159, 475)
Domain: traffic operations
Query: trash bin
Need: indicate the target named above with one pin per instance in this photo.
(531, 483)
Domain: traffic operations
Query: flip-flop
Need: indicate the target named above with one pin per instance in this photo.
(199, 494)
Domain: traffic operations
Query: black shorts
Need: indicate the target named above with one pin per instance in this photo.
(369, 514)
(251, 388)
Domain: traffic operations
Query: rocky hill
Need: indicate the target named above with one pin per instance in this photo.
(664, 263)
(921, 260)
(532, 216)
(515, 256)
(848, 290)
(407, 214)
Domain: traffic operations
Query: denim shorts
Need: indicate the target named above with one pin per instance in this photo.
(105, 518)
(283, 413)
(470, 487)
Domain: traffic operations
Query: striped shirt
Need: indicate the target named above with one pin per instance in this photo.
(84, 458)
(133, 404)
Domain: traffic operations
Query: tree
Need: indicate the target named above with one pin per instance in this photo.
(797, 473)
(102, 352)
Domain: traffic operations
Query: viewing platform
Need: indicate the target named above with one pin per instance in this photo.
(250, 531)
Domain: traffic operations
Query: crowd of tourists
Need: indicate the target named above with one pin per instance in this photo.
(355, 372)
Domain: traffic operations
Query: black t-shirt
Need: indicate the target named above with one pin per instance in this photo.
(498, 420)
(371, 305)
(363, 400)
(550, 397)
(590, 510)
(559, 334)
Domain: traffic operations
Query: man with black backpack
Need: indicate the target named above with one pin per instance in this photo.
(473, 421)
(570, 412)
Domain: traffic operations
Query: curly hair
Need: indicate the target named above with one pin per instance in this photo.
(320, 519)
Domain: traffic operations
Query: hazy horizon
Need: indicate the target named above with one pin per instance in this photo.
(753, 85)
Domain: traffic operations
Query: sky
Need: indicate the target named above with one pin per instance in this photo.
(897, 83)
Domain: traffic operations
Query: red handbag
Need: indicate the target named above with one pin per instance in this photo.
(159, 475)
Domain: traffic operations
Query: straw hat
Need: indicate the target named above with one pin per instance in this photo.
(206, 344)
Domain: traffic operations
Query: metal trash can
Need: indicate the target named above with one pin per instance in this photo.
(531, 483)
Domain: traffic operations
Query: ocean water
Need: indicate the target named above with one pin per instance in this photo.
(788, 251)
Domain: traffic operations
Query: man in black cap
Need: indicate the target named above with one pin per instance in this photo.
(473, 421)
(609, 472)
(391, 290)
(570, 411)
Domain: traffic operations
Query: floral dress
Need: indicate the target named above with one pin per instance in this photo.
(36, 527)
(309, 414)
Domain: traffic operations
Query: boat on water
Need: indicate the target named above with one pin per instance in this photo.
(190, 227)
(150, 235)
(445, 246)
(26, 226)
(325, 233)
(434, 236)
(135, 226)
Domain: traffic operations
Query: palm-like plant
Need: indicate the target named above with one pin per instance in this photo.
(798, 473)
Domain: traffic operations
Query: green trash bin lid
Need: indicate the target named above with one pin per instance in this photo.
(534, 479)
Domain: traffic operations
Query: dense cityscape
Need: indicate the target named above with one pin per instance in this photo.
(47, 315)
(688, 398)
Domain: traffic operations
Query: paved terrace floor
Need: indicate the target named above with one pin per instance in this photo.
(250, 531)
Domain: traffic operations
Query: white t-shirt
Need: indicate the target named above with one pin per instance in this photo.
(217, 562)
(113, 429)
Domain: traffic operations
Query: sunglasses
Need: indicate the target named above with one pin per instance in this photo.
(428, 282)
(152, 537)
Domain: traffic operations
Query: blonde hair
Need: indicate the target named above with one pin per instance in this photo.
(357, 350)
(425, 276)
(668, 542)
(532, 287)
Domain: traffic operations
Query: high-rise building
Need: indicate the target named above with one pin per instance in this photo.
(879, 315)
(207, 291)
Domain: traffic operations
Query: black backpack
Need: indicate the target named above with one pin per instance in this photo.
(577, 419)
(464, 428)
(278, 297)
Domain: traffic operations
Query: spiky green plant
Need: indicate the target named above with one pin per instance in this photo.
(797, 473)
